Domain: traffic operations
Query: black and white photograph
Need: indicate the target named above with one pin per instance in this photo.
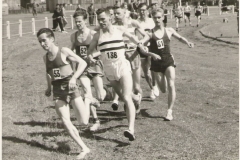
(120, 79)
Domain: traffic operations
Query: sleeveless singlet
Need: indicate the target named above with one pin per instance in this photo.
(160, 46)
(111, 46)
(187, 9)
(81, 48)
(57, 69)
(146, 25)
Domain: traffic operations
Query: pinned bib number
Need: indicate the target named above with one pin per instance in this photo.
(56, 73)
(83, 50)
(111, 55)
(160, 44)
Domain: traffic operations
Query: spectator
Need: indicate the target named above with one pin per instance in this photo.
(117, 4)
(134, 8)
(34, 8)
(127, 12)
(79, 8)
(64, 19)
(91, 14)
(57, 19)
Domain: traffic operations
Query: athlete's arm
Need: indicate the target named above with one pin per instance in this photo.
(95, 53)
(48, 90)
(180, 38)
(139, 28)
(71, 56)
(93, 46)
(72, 38)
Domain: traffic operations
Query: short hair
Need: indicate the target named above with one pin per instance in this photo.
(101, 10)
(48, 31)
(153, 4)
(155, 11)
(142, 4)
(80, 13)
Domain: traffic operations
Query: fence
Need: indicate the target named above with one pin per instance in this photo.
(24, 10)
(21, 28)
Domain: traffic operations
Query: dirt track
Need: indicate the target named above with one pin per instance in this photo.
(206, 110)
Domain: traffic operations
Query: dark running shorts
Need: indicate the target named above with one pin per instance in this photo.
(198, 13)
(134, 58)
(187, 14)
(162, 65)
(62, 92)
(93, 70)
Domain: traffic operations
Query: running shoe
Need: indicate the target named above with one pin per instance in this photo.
(109, 96)
(95, 102)
(95, 126)
(169, 116)
(156, 90)
(115, 106)
(152, 95)
(129, 135)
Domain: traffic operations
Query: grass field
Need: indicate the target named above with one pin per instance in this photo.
(206, 124)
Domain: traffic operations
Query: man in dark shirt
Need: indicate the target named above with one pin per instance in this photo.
(57, 19)
(34, 8)
(91, 14)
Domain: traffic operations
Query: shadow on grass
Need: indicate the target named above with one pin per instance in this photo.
(63, 147)
(147, 98)
(145, 114)
(58, 125)
(120, 143)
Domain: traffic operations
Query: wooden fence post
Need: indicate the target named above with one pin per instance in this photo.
(171, 13)
(71, 21)
(8, 30)
(46, 22)
(33, 26)
(20, 28)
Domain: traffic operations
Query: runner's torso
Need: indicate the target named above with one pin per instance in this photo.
(111, 46)
(160, 46)
(57, 68)
(81, 46)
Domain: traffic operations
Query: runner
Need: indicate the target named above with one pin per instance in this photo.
(187, 13)
(163, 66)
(131, 26)
(109, 40)
(165, 14)
(60, 75)
(178, 14)
(198, 12)
(147, 24)
(80, 43)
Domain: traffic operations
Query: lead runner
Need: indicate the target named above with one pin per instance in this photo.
(109, 40)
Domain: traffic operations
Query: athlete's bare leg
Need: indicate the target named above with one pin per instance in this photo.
(63, 112)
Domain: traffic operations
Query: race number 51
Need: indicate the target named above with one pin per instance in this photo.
(83, 50)
(160, 44)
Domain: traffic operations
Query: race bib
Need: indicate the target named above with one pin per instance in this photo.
(111, 55)
(83, 50)
(160, 44)
(56, 73)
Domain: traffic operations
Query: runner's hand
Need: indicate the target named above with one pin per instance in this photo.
(72, 83)
(156, 57)
(92, 61)
(48, 92)
(190, 44)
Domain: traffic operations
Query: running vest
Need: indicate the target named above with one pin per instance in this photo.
(187, 9)
(160, 46)
(81, 48)
(130, 44)
(199, 8)
(57, 69)
(111, 46)
(146, 25)
(178, 11)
